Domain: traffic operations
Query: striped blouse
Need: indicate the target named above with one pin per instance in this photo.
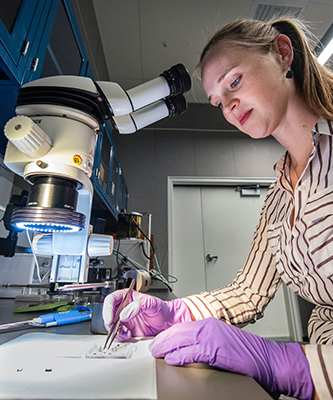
(299, 254)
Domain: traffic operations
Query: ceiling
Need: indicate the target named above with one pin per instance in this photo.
(142, 38)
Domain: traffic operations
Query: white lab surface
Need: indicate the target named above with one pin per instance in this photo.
(54, 366)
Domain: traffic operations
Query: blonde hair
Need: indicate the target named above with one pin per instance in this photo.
(314, 81)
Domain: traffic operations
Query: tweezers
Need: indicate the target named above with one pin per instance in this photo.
(114, 327)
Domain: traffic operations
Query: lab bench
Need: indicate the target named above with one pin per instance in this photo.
(195, 382)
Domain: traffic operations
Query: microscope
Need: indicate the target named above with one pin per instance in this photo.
(51, 144)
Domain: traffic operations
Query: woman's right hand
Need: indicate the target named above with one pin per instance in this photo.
(145, 315)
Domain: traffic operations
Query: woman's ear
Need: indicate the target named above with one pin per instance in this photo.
(283, 47)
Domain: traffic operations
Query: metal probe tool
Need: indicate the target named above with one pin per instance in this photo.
(116, 321)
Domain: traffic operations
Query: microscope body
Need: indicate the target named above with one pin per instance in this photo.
(51, 145)
(69, 159)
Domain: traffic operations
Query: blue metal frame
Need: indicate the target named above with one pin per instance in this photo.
(114, 160)
(26, 26)
(43, 45)
(39, 45)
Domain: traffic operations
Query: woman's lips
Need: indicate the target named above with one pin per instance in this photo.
(245, 116)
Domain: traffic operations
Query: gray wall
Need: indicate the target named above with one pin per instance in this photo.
(197, 143)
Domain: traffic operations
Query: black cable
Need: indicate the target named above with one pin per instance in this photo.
(160, 280)
(118, 265)
(151, 244)
(144, 252)
(119, 255)
(124, 260)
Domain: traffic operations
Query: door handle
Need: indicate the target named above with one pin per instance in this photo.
(209, 257)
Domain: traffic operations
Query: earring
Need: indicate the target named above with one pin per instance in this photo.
(289, 74)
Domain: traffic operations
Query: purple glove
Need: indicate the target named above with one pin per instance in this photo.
(280, 368)
(145, 315)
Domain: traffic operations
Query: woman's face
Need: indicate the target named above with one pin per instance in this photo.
(249, 87)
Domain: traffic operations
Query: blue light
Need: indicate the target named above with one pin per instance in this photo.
(47, 227)
(47, 219)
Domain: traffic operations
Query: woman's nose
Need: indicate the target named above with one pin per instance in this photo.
(230, 105)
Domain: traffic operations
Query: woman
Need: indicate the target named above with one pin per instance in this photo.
(266, 81)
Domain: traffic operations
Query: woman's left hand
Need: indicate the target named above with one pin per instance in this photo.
(280, 368)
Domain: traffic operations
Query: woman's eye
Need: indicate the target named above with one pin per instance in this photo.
(235, 82)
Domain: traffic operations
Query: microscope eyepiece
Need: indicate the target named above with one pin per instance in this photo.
(176, 105)
(178, 79)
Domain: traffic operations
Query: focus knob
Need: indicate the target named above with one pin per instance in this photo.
(100, 245)
(42, 244)
(27, 137)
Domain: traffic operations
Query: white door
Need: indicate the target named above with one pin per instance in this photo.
(229, 222)
(218, 221)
